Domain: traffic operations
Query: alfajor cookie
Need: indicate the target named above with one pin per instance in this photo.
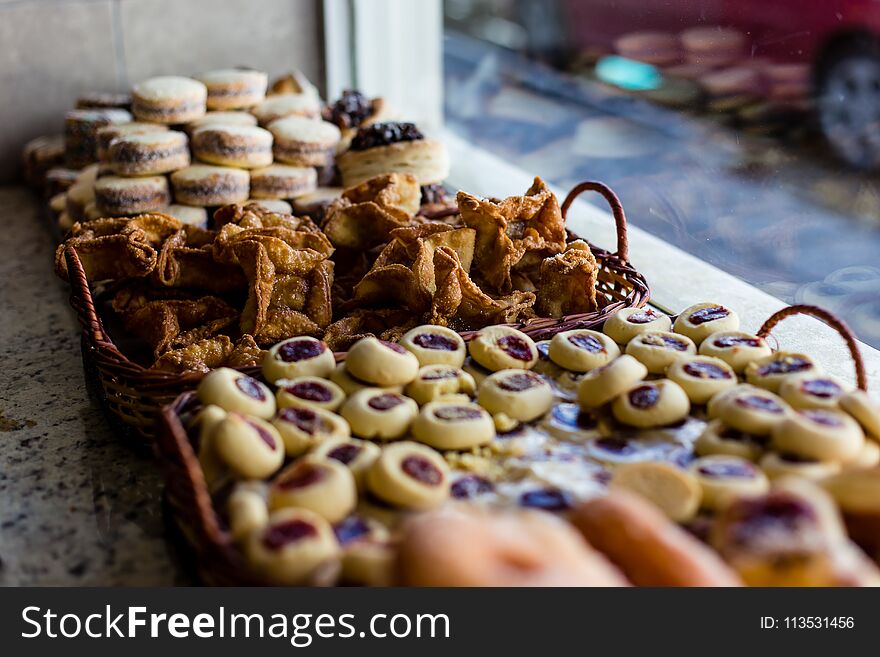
(824, 435)
(230, 89)
(409, 475)
(769, 372)
(299, 356)
(188, 214)
(243, 146)
(280, 181)
(309, 391)
(304, 142)
(326, 487)
(435, 345)
(502, 347)
(657, 350)
(222, 118)
(723, 478)
(314, 204)
(521, 395)
(702, 377)
(280, 106)
(303, 427)
(453, 425)
(116, 196)
(652, 404)
(602, 385)
(148, 153)
(81, 128)
(627, 323)
(234, 391)
(379, 414)
(272, 205)
(110, 132)
(703, 319)
(205, 186)
(582, 350)
(736, 348)
(169, 99)
(381, 363)
(435, 381)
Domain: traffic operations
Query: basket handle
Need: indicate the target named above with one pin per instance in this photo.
(616, 210)
(833, 321)
(80, 283)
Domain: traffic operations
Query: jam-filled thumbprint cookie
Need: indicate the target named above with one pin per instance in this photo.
(736, 348)
(381, 363)
(410, 476)
(703, 319)
(501, 348)
(627, 323)
(233, 391)
(582, 350)
(602, 385)
(379, 414)
(435, 345)
(300, 356)
(652, 404)
(522, 395)
(657, 350)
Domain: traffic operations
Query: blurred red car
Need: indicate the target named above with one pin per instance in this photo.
(835, 44)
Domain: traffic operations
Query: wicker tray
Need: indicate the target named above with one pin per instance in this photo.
(135, 394)
(218, 559)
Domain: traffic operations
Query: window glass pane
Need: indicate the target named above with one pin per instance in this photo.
(743, 132)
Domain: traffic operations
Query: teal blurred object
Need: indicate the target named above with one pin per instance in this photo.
(628, 73)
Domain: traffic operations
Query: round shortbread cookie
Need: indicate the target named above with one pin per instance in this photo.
(652, 404)
(502, 347)
(582, 350)
(435, 345)
(453, 425)
(657, 350)
(379, 414)
(701, 320)
(296, 357)
(627, 323)
(410, 475)
(381, 363)
(522, 395)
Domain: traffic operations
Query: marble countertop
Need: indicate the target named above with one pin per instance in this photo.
(77, 505)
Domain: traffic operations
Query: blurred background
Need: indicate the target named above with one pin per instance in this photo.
(746, 132)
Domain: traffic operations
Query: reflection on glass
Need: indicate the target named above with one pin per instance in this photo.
(746, 132)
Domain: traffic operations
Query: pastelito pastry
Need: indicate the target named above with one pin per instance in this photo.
(458, 547)
(279, 181)
(379, 414)
(435, 345)
(453, 425)
(108, 133)
(770, 371)
(292, 547)
(230, 89)
(380, 148)
(250, 447)
(226, 144)
(304, 142)
(603, 384)
(736, 348)
(824, 435)
(646, 546)
(702, 377)
(302, 427)
(627, 323)
(702, 319)
(723, 478)
(309, 391)
(567, 282)
(205, 186)
(296, 357)
(81, 133)
(657, 350)
(280, 106)
(148, 153)
(652, 404)
(115, 195)
(410, 476)
(522, 395)
(582, 350)
(168, 99)
(326, 487)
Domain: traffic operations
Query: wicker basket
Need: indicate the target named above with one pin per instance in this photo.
(135, 394)
(219, 561)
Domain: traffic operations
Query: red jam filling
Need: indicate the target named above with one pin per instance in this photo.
(823, 418)
(822, 388)
(297, 350)
(515, 347)
(310, 391)
(264, 435)
(586, 342)
(785, 365)
(351, 529)
(519, 381)
(436, 375)
(759, 403)
(642, 317)
(457, 413)
(393, 347)
(385, 401)
(644, 396)
(305, 419)
(728, 341)
(435, 341)
(422, 470)
(302, 476)
(740, 469)
(345, 454)
(250, 387)
(710, 314)
(547, 499)
(665, 342)
(702, 370)
(471, 486)
(277, 536)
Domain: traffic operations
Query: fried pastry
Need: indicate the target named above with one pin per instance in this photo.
(568, 282)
